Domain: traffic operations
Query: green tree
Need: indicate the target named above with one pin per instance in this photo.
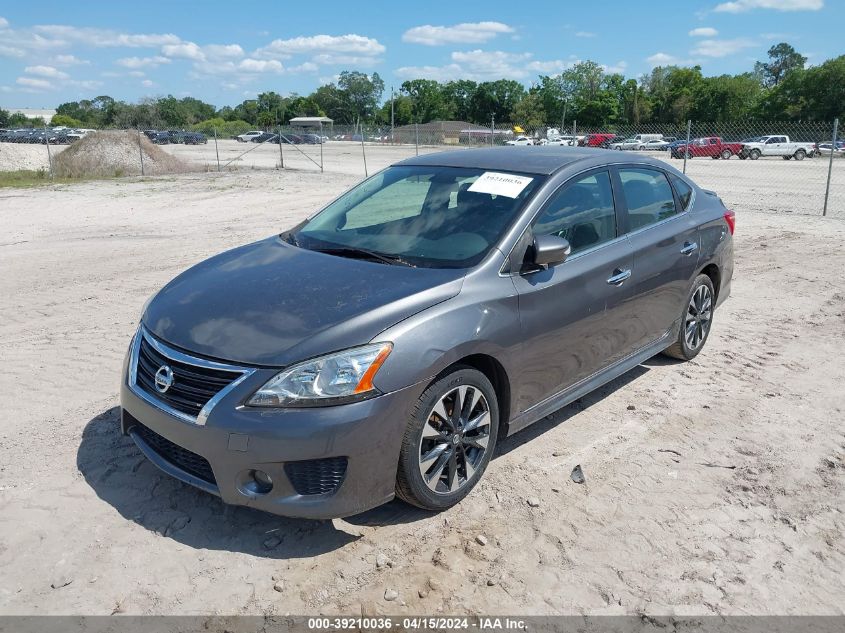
(361, 93)
(783, 59)
(458, 97)
(529, 111)
(64, 120)
(428, 102)
(495, 99)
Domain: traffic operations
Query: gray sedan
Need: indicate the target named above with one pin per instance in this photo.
(382, 347)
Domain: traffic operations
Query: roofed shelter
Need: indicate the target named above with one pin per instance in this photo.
(312, 121)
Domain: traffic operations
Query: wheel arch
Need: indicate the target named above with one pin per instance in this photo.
(712, 271)
(495, 372)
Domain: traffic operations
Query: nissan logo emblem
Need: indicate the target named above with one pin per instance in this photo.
(164, 378)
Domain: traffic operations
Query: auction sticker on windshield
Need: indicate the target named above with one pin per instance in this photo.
(499, 184)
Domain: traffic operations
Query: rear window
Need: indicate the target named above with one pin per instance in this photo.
(684, 192)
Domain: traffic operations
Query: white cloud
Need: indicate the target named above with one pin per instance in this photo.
(464, 33)
(106, 38)
(38, 84)
(482, 65)
(260, 66)
(585, 34)
(704, 31)
(315, 44)
(185, 50)
(664, 59)
(147, 83)
(223, 51)
(11, 51)
(618, 67)
(131, 73)
(69, 60)
(742, 6)
(142, 62)
(3, 22)
(721, 48)
(305, 67)
(45, 71)
(333, 59)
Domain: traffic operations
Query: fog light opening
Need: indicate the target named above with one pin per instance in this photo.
(255, 482)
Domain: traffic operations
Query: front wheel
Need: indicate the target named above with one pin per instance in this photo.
(755, 154)
(696, 319)
(449, 440)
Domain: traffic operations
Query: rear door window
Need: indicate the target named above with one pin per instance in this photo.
(648, 196)
(684, 192)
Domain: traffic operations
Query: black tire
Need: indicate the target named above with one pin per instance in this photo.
(800, 154)
(726, 154)
(411, 486)
(716, 157)
(755, 154)
(682, 349)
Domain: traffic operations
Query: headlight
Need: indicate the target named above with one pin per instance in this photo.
(338, 378)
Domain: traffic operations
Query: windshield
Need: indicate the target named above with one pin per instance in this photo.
(435, 217)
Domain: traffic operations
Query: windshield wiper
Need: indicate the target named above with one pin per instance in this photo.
(363, 253)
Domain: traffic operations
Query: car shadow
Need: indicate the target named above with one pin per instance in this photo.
(121, 476)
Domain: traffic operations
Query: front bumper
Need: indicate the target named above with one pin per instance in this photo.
(236, 440)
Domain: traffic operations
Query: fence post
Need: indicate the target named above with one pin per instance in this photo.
(321, 146)
(141, 152)
(281, 155)
(49, 155)
(830, 165)
(686, 147)
(216, 151)
(417, 138)
(575, 131)
(492, 128)
(364, 152)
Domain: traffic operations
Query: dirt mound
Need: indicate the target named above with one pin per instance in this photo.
(115, 153)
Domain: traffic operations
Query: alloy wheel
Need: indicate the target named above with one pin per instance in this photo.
(698, 317)
(454, 439)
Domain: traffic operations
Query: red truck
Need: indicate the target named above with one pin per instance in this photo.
(602, 139)
(711, 146)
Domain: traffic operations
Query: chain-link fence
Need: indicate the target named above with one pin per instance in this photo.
(763, 166)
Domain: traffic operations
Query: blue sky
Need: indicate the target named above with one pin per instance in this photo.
(223, 53)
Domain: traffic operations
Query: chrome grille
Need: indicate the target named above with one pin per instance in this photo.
(195, 381)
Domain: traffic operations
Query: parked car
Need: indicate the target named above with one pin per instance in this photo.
(265, 137)
(382, 350)
(628, 143)
(295, 139)
(312, 139)
(597, 140)
(194, 138)
(160, 138)
(776, 145)
(520, 140)
(824, 149)
(653, 144)
(712, 146)
(248, 136)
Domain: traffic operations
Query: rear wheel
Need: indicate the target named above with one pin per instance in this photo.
(726, 154)
(696, 320)
(449, 440)
(800, 154)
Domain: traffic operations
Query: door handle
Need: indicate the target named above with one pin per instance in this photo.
(689, 248)
(619, 276)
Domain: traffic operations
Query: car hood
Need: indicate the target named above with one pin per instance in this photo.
(271, 303)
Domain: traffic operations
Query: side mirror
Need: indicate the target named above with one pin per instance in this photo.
(549, 250)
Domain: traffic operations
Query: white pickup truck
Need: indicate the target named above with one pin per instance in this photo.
(776, 145)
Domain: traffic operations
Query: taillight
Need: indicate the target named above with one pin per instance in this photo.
(730, 218)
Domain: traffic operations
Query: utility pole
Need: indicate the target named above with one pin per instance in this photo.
(563, 119)
(391, 115)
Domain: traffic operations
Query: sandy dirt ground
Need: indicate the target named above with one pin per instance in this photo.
(715, 486)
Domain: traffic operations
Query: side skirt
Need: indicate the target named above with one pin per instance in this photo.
(591, 383)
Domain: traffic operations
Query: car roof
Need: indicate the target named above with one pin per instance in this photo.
(544, 160)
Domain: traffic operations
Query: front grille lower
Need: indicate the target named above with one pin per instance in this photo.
(175, 455)
(193, 385)
(316, 476)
